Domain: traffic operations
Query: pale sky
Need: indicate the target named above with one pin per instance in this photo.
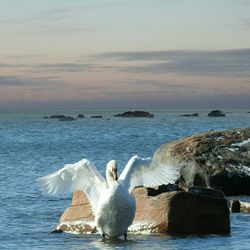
(125, 53)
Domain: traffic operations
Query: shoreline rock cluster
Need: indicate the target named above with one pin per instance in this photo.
(194, 205)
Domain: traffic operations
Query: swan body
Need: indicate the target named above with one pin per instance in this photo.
(111, 200)
(115, 212)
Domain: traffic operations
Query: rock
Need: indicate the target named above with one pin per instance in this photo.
(96, 116)
(216, 113)
(238, 206)
(67, 119)
(135, 114)
(188, 115)
(235, 206)
(244, 207)
(205, 211)
(61, 117)
(218, 159)
(57, 116)
(80, 116)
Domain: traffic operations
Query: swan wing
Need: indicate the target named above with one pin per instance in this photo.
(81, 175)
(147, 172)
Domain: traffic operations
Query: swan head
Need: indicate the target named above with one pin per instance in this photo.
(111, 172)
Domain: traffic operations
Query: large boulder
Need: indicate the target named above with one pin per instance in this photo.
(218, 159)
(178, 212)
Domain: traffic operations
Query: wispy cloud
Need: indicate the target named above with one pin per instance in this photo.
(190, 62)
(66, 67)
(32, 82)
(182, 62)
(57, 20)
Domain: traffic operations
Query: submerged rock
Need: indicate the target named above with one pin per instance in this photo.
(206, 211)
(216, 113)
(219, 159)
(135, 114)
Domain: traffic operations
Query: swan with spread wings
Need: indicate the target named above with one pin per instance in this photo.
(111, 201)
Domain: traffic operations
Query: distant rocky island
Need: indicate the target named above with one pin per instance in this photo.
(216, 113)
(137, 113)
(60, 117)
(134, 114)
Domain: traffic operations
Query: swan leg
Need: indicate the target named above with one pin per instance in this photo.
(125, 236)
(103, 236)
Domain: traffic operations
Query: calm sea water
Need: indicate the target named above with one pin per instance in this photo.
(31, 147)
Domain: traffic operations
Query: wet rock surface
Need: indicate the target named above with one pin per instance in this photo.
(205, 211)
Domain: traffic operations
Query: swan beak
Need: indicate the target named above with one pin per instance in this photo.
(114, 172)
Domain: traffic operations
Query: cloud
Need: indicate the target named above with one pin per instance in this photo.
(33, 82)
(163, 84)
(187, 62)
(66, 67)
(60, 20)
(11, 65)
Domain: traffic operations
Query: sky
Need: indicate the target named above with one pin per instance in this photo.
(105, 54)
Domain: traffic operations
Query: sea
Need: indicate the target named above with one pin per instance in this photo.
(32, 146)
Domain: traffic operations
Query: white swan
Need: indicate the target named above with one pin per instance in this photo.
(110, 199)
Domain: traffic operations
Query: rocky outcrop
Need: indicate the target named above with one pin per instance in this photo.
(57, 116)
(135, 114)
(216, 113)
(219, 159)
(67, 119)
(205, 211)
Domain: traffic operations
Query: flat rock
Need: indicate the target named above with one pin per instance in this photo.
(190, 115)
(96, 116)
(217, 159)
(205, 211)
(135, 114)
(57, 116)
